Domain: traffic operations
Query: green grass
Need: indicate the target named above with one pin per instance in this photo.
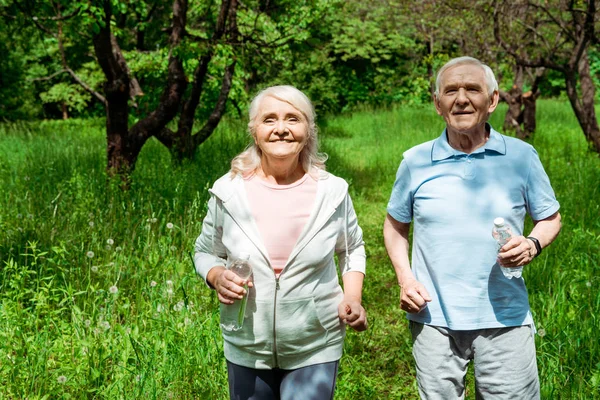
(64, 334)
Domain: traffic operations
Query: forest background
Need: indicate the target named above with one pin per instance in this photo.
(98, 296)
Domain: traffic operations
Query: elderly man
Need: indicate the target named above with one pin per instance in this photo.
(460, 306)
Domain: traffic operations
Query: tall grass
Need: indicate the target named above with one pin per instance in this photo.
(98, 298)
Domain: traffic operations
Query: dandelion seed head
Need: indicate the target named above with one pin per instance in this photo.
(94, 268)
(108, 247)
(169, 283)
(170, 291)
(159, 308)
(105, 325)
(541, 332)
(90, 254)
(153, 284)
(588, 284)
(170, 225)
(30, 216)
(87, 323)
(110, 242)
(27, 178)
(138, 378)
(113, 289)
(179, 306)
(91, 223)
(111, 264)
(173, 248)
(61, 379)
(118, 248)
(153, 220)
(187, 321)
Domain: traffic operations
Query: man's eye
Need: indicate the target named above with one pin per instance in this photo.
(450, 91)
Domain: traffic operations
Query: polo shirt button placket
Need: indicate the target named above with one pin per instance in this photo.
(469, 169)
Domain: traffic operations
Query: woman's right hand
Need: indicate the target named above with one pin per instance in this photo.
(228, 285)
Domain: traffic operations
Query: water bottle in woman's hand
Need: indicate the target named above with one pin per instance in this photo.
(502, 233)
(232, 315)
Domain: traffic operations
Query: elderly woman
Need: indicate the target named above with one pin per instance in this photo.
(279, 205)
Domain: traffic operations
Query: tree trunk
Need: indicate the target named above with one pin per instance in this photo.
(514, 100)
(529, 109)
(584, 106)
(123, 144)
(183, 143)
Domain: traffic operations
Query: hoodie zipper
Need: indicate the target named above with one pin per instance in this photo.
(275, 361)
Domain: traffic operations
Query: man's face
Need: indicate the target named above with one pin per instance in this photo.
(463, 99)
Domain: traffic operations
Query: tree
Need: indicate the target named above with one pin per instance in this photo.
(121, 88)
(563, 31)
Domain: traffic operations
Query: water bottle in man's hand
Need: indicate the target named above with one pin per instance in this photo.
(502, 233)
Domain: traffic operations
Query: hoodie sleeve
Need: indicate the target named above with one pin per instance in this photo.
(350, 246)
(209, 251)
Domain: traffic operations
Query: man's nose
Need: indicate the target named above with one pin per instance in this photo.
(461, 96)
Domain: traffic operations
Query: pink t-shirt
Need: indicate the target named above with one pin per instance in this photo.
(280, 212)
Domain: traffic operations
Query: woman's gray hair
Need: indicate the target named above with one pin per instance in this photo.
(249, 160)
(490, 79)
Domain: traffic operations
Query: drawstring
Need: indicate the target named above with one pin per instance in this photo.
(346, 230)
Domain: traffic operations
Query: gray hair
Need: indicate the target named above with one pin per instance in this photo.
(490, 79)
(249, 160)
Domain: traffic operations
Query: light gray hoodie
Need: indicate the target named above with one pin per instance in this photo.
(291, 321)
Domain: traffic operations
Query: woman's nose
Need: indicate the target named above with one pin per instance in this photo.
(280, 127)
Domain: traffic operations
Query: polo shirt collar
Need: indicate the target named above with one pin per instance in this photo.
(441, 148)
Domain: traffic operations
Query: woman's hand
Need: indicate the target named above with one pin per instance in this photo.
(228, 285)
(352, 313)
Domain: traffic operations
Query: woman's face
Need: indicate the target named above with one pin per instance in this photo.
(281, 131)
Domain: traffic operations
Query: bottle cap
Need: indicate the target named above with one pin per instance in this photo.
(499, 221)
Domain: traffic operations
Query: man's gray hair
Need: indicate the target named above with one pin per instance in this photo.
(490, 79)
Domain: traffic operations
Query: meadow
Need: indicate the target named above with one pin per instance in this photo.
(99, 299)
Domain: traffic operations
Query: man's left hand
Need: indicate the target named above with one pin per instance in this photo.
(353, 314)
(517, 252)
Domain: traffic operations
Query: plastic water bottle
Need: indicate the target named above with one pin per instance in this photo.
(502, 233)
(232, 315)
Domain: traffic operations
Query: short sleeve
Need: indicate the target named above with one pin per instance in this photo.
(541, 201)
(400, 206)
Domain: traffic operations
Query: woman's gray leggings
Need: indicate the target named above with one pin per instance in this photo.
(315, 382)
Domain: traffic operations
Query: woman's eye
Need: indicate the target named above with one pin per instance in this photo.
(269, 121)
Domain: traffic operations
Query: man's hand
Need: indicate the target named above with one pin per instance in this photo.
(519, 251)
(413, 296)
(228, 285)
(352, 313)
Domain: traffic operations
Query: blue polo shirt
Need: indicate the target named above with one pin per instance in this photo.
(452, 199)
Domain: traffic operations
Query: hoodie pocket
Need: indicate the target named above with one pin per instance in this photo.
(299, 329)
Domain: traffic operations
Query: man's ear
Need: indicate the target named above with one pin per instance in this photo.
(436, 103)
(494, 101)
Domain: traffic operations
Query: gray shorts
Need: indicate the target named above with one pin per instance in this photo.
(503, 360)
(315, 382)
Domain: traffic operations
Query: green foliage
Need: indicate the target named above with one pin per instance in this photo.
(98, 297)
